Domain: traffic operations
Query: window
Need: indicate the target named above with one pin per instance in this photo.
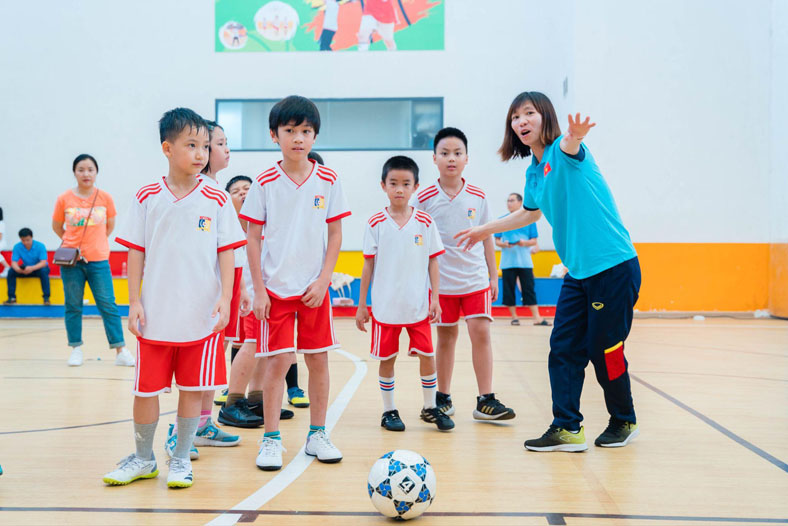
(346, 124)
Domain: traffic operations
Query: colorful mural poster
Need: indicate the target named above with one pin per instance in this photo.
(328, 25)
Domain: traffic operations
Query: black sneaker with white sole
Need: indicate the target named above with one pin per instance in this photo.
(490, 408)
(392, 421)
(617, 434)
(443, 401)
(284, 414)
(433, 415)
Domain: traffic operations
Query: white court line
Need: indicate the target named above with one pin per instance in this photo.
(301, 461)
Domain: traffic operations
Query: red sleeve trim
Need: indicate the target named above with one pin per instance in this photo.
(231, 246)
(337, 218)
(369, 256)
(251, 220)
(129, 244)
(436, 254)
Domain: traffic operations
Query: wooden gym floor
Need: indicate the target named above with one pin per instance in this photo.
(711, 396)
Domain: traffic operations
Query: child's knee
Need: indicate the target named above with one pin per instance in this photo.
(316, 362)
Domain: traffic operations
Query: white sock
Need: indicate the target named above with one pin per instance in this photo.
(429, 386)
(387, 391)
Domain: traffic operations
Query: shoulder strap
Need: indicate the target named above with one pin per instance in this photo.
(87, 220)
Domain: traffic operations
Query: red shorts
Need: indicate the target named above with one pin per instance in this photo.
(474, 305)
(233, 329)
(315, 328)
(250, 329)
(385, 339)
(197, 367)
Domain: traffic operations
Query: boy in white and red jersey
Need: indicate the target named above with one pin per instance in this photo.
(295, 199)
(469, 279)
(208, 434)
(401, 246)
(238, 410)
(183, 231)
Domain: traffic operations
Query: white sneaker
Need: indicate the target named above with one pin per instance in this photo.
(180, 475)
(75, 360)
(270, 456)
(132, 468)
(319, 445)
(125, 358)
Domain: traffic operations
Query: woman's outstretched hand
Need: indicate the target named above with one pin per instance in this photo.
(577, 129)
(467, 238)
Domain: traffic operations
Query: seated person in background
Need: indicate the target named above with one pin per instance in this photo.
(28, 260)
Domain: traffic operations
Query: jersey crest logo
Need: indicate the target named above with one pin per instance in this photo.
(471, 213)
(320, 202)
(547, 169)
(598, 305)
(418, 239)
(204, 224)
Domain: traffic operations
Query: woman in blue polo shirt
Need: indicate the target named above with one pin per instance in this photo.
(594, 311)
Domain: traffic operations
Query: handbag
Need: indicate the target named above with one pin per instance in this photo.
(70, 256)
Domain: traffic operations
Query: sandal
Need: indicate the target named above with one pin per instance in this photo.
(544, 323)
(515, 322)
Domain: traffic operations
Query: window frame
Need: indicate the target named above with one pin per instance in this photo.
(441, 100)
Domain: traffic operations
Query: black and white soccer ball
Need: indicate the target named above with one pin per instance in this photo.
(401, 484)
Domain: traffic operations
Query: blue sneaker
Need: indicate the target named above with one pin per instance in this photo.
(172, 438)
(210, 435)
(296, 397)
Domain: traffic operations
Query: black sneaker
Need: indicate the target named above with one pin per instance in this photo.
(10, 301)
(490, 408)
(239, 415)
(433, 415)
(392, 421)
(284, 414)
(443, 401)
(617, 434)
(558, 439)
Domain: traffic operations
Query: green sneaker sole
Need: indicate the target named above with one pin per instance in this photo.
(113, 482)
(179, 484)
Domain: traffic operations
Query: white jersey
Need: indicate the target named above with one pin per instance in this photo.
(462, 272)
(401, 280)
(247, 273)
(181, 239)
(295, 218)
(240, 253)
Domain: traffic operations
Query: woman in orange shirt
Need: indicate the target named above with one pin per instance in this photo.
(72, 209)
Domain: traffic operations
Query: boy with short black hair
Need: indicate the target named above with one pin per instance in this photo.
(295, 200)
(181, 230)
(28, 260)
(469, 279)
(401, 245)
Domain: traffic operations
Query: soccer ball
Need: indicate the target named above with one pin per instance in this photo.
(401, 484)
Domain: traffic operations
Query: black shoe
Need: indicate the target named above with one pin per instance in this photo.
(10, 301)
(392, 421)
(443, 401)
(284, 414)
(239, 415)
(490, 408)
(617, 434)
(433, 415)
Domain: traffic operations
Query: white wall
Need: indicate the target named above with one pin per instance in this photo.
(778, 189)
(682, 93)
